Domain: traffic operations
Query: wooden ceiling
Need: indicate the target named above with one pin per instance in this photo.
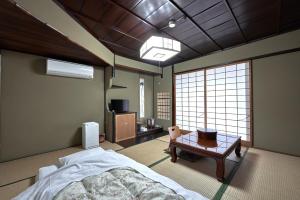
(206, 26)
(209, 25)
(21, 32)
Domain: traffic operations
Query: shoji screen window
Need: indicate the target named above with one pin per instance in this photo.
(190, 100)
(142, 98)
(163, 105)
(228, 99)
(217, 98)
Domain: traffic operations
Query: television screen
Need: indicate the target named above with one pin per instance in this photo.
(120, 105)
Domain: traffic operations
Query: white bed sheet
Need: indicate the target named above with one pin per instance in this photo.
(50, 185)
(45, 171)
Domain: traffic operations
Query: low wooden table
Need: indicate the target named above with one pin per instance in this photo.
(218, 149)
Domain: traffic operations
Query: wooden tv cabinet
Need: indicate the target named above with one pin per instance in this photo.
(124, 126)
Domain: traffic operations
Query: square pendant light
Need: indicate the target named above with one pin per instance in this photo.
(159, 48)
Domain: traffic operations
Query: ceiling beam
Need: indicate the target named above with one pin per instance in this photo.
(195, 24)
(70, 11)
(234, 19)
(73, 12)
(51, 14)
(150, 24)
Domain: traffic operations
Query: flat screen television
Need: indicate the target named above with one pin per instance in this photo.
(119, 105)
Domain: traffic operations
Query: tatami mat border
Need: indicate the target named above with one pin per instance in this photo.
(6, 184)
(227, 181)
(162, 140)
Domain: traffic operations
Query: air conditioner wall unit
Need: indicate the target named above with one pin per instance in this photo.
(67, 69)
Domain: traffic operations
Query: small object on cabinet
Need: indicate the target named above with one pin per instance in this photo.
(150, 123)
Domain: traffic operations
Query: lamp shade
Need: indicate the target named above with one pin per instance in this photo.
(159, 48)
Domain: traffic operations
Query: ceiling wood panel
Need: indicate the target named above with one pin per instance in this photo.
(130, 4)
(87, 21)
(201, 43)
(222, 27)
(234, 19)
(259, 28)
(123, 26)
(290, 15)
(191, 19)
(147, 22)
(207, 15)
(254, 21)
(186, 52)
(197, 6)
(74, 5)
(141, 29)
(21, 32)
(128, 23)
(112, 15)
(229, 37)
(184, 3)
(146, 35)
(227, 34)
(147, 7)
(94, 8)
(250, 10)
(183, 30)
(129, 42)
(162, 15)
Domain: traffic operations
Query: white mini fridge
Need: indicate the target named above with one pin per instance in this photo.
(90, 135)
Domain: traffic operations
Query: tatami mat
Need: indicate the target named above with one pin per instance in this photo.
(198, 176)
(165, 138)
(108, 145)
(19, 169)
(147, 152)
(10, 191)
(261, 175)
(15, 170)
(266, 175)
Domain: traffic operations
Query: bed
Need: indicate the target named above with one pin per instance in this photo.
(100, 174)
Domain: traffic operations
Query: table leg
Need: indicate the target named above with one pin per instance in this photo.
(238, 149)
(173, 153)
(220, 169)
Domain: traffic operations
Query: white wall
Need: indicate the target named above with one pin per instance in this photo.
(163, 85)
(276, 103)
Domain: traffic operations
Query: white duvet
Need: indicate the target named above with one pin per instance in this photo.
(49, 186)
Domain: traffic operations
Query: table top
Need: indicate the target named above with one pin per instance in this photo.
(219, 146)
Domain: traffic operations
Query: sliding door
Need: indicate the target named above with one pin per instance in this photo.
(190, 104)
(217, 98)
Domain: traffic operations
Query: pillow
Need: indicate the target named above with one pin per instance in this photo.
(45, 171)
(79, 156)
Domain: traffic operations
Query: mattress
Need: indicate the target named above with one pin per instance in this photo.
(106, 175)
